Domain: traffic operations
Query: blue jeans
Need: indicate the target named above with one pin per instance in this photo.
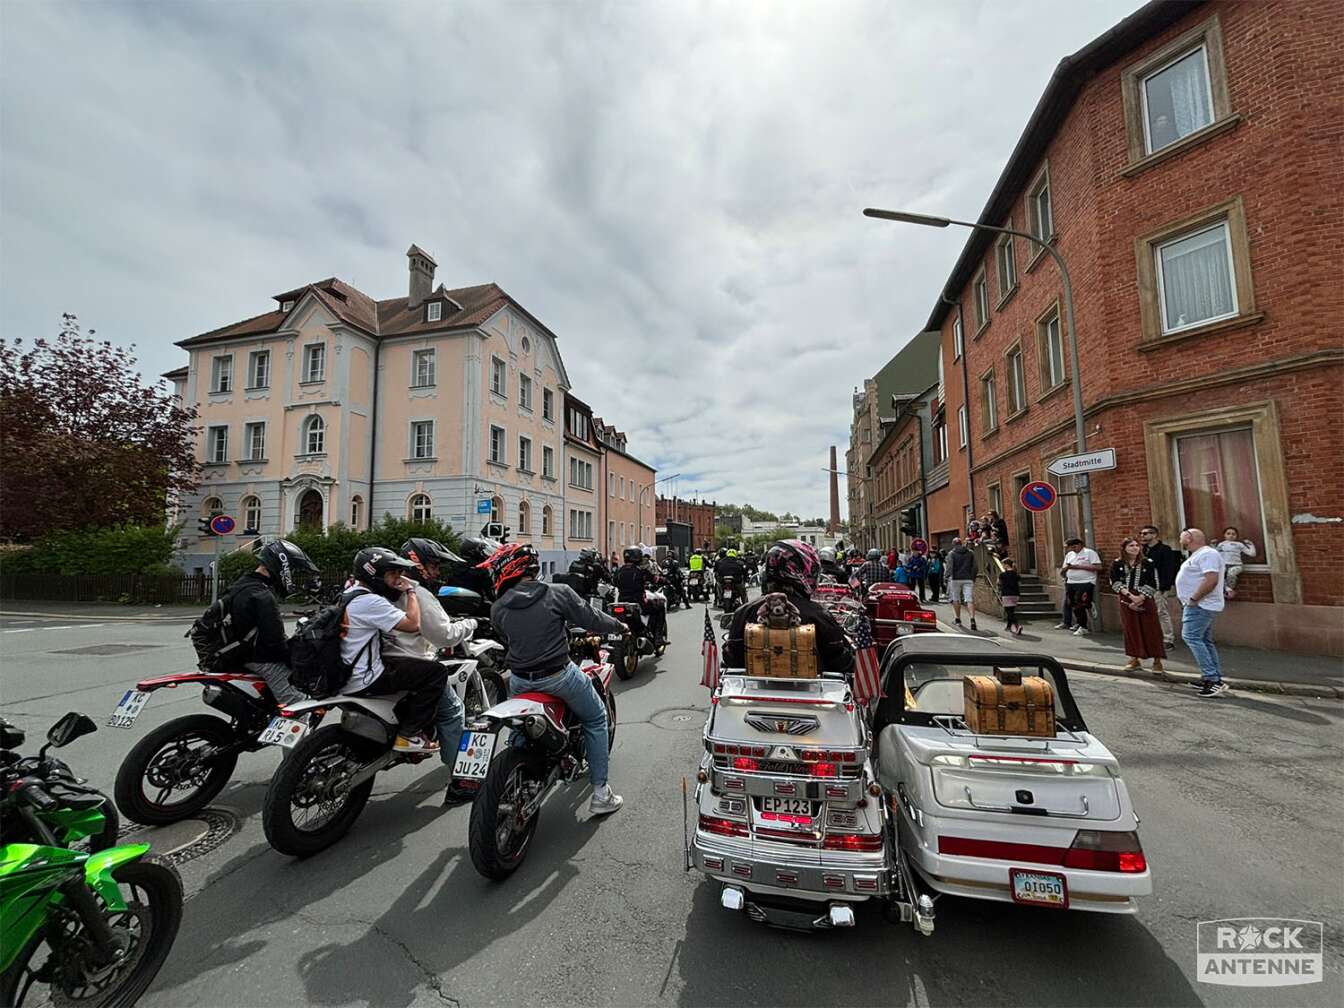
(448, 720)
(1197, 632)
(576, 690)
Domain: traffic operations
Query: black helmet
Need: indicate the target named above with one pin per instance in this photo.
(375, 561)
(420, 551)
(477, 549)
(874, 554)
(723, 552)
(588, 555)
(633, 555)
(288, 565)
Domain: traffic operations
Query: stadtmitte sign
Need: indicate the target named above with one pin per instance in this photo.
(1071, 465)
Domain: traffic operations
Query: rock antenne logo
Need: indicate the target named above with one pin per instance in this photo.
(1259, 952)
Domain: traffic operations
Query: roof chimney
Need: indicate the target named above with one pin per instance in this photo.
(422, 275)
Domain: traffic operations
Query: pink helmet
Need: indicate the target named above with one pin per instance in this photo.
(793, 564)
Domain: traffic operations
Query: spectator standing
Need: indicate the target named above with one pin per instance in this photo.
(1199, 587)
(1134, 581)
(1233, 549)
(1079, 570)
(936, 566)
(917, 568)
(1010, 589)
(961, 581)
(1165, 563)
(893, 558)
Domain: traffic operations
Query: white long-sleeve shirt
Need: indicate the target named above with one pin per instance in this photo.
(1232, 551)
(437, 630)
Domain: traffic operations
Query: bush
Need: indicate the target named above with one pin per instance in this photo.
(121, 549)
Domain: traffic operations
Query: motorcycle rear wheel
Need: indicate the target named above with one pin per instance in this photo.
(153, 892)
(497, 845)
(154, 754)
(322, 751)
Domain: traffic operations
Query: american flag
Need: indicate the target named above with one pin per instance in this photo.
(867, 677)
(710, 650)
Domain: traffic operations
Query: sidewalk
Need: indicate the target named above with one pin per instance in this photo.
(103, 611)
(1243, 667)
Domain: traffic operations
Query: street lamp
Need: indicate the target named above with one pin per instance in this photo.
(1079, 433)
(649, 489)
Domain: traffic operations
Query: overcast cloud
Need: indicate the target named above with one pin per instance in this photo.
(673, 188)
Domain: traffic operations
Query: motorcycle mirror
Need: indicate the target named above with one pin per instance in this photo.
(70, 727)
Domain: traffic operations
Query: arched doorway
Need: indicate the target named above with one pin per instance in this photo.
(310, 510)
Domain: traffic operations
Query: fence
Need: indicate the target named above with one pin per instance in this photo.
(167, 589)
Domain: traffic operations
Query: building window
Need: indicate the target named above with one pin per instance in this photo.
(218, 445)
(1175, 93)
(580, 524)
(433, 311)
(221, 374)
(212, 506)
(286, 305)
(940, 438)
(1051, 355)
(548, 405)
(525, 392)
(422, 439)
(254, 434)
(497, 445)
(1219, 484)
(611, 533)
(524, 518)
(989, 406)
(996, 499)
(259, 369)
(1007, 267)
(546, 520)
(314, 436)
(548, 461)
(611, 484)
(422, 369)
(251, 509)
(496, 510)
(421, 509)
(498, 376)
(1040, 214)
(620, 488)
(958, 340)
(525, 454)
(961, 426)
(1195, 273)
(1017, 382)
(356, 505)
(981, 291)
(314, 362)
(580, 474)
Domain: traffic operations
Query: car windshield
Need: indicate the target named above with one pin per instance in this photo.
(933, 689)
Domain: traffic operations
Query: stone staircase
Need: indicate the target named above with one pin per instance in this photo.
(1034, 603)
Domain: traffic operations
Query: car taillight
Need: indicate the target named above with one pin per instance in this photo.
(826, 755)
(745, 763)
(1106, 850)
(618, 610)
(921, 616)
(722, 827)
(853, 842)
(823, 770)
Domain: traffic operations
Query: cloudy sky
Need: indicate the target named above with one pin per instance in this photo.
(674, 188)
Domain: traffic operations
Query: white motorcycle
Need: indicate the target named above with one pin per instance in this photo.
(320, 790)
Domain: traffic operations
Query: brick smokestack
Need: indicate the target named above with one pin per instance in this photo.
(835, 495)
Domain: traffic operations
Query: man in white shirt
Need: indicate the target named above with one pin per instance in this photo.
(1079, 570)
(1199, 586)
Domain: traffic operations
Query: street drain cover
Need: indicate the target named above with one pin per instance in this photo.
(189, 839)
(679, 719)
(108, 649)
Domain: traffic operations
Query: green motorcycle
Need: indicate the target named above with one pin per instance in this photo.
(92, 928)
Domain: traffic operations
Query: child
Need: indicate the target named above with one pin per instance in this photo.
(1010, 587)
(1232, 549)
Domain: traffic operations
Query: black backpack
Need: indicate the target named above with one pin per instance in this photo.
(212, 635)
(315, 664)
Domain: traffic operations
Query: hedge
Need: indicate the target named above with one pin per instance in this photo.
(121, 549)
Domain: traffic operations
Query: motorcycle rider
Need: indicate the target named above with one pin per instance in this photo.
(829, 565)
(587, 572)
(437, 630)
(731, 566)
(372, 612)
(672, 573)
(874, 569)
(254, 606)
(533, 617)
(632, 581)
(791, 569)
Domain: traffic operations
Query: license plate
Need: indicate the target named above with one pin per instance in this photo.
(125, 713)
(283, 732)
(789, 811)
(1037, 888)
(473, 755)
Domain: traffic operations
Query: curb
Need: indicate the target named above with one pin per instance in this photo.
(99, 619)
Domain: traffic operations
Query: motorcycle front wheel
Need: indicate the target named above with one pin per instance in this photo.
(307, 809)
(167, 777)
(145, 930)
(498, 839)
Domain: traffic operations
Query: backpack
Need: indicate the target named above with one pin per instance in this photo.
(315, 664)
(217, 650)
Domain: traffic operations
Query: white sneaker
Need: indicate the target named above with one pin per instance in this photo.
(604, 801)
(1061, 626)
(1080, 631)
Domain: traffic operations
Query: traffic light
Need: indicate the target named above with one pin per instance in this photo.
(204, 525)
(910, 522)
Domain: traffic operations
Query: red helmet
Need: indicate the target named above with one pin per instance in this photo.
(509, 563)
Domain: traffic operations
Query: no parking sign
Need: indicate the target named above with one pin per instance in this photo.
(1039, 496)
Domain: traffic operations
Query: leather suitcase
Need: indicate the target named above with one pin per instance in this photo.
(789, 653)
(997, 708)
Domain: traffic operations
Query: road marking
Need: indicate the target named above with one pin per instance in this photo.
(72, 626)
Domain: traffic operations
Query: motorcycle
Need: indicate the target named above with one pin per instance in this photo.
(107, 919)
(632, 645)
(672, 589)
(733, 591)
(547, 749)
(321, 789)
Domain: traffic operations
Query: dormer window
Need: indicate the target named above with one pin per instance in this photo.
(286, 305)
(434, 311)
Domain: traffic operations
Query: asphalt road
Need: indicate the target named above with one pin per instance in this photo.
(1240, 800)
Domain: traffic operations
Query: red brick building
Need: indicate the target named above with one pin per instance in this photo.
(695, 513)
(1187, 165)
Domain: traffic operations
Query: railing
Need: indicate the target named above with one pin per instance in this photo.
(990, 566)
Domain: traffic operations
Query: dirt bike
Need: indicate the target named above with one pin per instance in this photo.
(91, 928)
(547, 748)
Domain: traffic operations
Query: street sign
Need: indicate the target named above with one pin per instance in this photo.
(1039, 496)
(222, 524)
(1091, 461)
(483, 506)
(919, 546)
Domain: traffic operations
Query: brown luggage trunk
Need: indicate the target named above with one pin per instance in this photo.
(997, 708)
(789, 653)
